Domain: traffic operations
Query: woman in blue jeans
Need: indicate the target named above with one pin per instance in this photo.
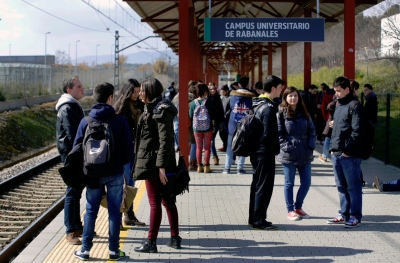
(128, 105)
(297, 142)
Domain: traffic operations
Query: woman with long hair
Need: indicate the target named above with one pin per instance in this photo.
(297, 142)
(201, 112)
(219, 118)
(128, 105)
(155, 161)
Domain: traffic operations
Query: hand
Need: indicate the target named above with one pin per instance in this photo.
(163, 177)
(345, 155)
(331, 124)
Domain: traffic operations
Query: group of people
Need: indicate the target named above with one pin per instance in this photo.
(141, 123)
(290, 131)
(144, 125)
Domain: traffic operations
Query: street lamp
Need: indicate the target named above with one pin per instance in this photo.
(96, 54)
(45, 57)
(112, 53)
(76, 56)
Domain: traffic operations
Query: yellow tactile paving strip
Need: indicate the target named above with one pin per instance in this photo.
(63, 251)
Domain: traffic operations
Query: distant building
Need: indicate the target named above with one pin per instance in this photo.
(390, 27)
(50, 59)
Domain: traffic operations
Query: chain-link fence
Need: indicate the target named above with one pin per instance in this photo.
(387, 130)
(19, 80)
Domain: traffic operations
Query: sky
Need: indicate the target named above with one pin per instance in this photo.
(23, 28)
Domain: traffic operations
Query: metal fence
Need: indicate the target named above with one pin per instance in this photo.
(387, 130)
(18, 80)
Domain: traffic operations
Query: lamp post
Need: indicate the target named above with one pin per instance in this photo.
(366, 52)
(96, 62)
(111, 53)
(69, 49)
(76, 57)
(45, 58)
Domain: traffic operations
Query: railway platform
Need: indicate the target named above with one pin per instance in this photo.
(213, 224)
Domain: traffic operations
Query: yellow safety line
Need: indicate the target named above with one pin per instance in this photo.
(138, 199)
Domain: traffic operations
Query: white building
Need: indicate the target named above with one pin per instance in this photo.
(390, 35)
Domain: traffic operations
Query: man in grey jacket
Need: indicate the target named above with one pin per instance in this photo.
(69, 116)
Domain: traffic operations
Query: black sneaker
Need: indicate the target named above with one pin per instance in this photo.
(175, 242)
(267, 226)
(115, 256)
(82, 255)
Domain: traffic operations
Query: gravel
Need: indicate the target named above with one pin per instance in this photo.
(25, 165)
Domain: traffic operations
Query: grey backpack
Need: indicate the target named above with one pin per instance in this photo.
(98, 145)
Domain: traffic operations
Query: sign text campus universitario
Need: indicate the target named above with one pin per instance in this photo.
(264, 29)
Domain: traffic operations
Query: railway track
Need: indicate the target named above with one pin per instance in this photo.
(28, 202)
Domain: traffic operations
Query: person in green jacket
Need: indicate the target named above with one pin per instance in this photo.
(155, 160)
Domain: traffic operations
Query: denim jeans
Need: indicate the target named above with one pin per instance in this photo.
(347, 173)
(176, 132)
(193, 151)
(114, 185)
(325, 149)
(129, 179)
(72, 210)
(289, 171)
(229, 156)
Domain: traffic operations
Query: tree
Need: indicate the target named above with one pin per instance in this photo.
(61, 57)
(83, 66)
(160, 66)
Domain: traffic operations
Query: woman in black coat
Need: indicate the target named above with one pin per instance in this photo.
(155, 161)
(219, 118)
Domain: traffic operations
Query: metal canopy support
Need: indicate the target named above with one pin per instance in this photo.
(284, 61)
(349, 39)
(307, 57)
(184, 72)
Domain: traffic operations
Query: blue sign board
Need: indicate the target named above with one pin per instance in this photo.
(264, 29)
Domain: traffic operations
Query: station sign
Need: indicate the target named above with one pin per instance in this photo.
(227, 79)
(264, 29)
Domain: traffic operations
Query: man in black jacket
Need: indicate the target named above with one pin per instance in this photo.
(263, 161)
(69, 116)
(346, 152)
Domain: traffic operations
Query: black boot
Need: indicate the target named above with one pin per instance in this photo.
(148, 246)
(175, 242)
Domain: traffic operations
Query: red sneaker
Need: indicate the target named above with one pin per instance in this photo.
(222, 149)
(301, 213)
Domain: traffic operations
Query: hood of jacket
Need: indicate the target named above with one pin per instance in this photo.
(159, 106)
(102, 111)
(257, 101)
(241, 92)
(66, 98)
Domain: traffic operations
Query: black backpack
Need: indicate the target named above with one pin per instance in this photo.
(247, 134)
(98, 145)
(367, 144)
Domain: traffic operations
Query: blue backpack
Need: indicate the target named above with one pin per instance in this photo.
(201, 118)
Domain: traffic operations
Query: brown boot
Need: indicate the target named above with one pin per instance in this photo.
(73, 239)
(207, 169)
(216, 160)
(200, 168)
(193, 165)
(131, 220)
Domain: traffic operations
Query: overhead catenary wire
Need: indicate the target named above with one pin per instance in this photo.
(103, 31)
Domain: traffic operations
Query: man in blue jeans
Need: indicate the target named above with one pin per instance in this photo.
(121, 154)
(69, 114)
(346, 153)
(240, 104)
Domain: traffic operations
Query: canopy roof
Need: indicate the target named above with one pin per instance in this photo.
(163, 17)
